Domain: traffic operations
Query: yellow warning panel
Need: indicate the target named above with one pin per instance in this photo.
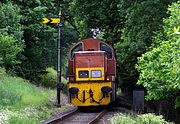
(90, 94)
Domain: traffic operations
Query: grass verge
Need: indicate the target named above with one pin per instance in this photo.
(23, 103)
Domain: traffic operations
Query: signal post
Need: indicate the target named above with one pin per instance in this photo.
(59, 85)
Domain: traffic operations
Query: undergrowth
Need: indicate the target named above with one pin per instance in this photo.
(148, 118)
(23, 103)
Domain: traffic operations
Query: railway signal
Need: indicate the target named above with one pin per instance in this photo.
(51, 20)
(60, 24)
(59, 84)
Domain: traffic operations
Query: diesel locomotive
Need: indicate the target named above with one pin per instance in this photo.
(91, 73)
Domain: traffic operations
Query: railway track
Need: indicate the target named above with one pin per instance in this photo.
(77, 117)
(74, 116)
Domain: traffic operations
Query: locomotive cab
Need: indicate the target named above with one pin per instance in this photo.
(92, 74)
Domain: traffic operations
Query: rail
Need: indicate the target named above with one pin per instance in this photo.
(99, 116)
(63, 117)
(73, 116)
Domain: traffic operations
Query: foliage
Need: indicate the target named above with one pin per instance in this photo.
(150, 119)
(39, 39)
(21, 101)
(139, 119)
(10, 21)
(160, 68)
(143, 18)
(11, 43)
(2, 72)
(49, 79)
(122, 119)
(9, 50)
(27, 115)
(105, 15)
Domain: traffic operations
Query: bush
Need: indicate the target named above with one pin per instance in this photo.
(49, 79)
(11, 43)
(2, 72)
(139, 119)
(150, 119)
(9, 49)
(159, 68)
(122, 119)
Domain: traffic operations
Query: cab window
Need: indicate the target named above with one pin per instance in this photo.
(107, 49)
(76, 49)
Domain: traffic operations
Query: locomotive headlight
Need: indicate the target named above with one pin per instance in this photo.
(83, 74)
(96, 74)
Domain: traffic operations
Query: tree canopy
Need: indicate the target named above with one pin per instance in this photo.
(11, 33)
(22, 22)
(159, 68)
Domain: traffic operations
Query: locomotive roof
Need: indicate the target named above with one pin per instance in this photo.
(90, 52)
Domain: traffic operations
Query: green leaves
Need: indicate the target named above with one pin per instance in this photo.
(143, 18)
(10, 21)
(160, 68)
(22, 29)
(11, 43)
(9, 49)
(139, 119)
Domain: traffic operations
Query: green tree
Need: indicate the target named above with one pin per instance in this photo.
(23, 20)
(11, 43)
(105, 15)
(143, 18)
(160, 68)
(10, 21)
(40, 39)
(9, 50)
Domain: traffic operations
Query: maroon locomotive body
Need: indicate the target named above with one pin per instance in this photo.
(92, 73)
